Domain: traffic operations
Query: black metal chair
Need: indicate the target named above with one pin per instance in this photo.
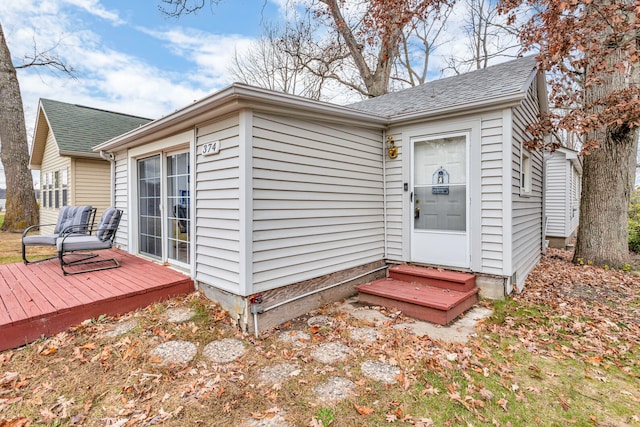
(79, 219)
(102, 239)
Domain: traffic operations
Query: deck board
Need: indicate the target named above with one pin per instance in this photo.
(37, 299)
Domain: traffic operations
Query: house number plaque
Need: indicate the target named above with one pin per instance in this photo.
(210, 148)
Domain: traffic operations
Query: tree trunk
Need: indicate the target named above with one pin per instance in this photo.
(604, 203)
(21, 206)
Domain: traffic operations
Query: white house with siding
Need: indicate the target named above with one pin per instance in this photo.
(273, 198)
(562, 196)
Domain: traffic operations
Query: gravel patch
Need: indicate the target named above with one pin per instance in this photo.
(278, 373)
(334, 389)
(331, 353)
(294, 337)
(380, 371)
(122, 328)
(364, 334)
(175, 352)
(225, 350)
(319, 321)
(179, 315)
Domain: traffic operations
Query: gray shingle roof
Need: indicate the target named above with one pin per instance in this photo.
(78, 128)
(497, 81)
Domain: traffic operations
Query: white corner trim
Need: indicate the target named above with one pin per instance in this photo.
(246, 201)
(507, 192)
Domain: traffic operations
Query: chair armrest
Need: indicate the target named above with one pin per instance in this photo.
(84, 229)
(33, 227)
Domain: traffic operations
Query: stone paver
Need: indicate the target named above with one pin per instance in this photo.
(225, 350)
(364, 334)
(179, 315)
(334, 389)
(122, 328)
(278, 373)
(270, 420)
(380, 371)
(319, 321)
(294, 337)
(175, 352)
(330, 353)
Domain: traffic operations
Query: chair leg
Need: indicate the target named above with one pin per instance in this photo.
(114, 263)
(27, 262)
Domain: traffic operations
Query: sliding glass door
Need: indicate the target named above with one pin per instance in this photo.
(149, 207)
(178, 218)
(164, 199)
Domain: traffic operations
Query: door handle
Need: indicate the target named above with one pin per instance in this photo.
(411, 197)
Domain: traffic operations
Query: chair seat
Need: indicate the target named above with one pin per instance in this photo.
(82, 243)
(40, 240)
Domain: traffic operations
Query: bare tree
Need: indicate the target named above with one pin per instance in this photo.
(21, 206)
(362, 45)
(488, 37)
(274, 61)
(419, 39)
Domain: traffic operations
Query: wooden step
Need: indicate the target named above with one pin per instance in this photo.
(430, 303)
(430, 276)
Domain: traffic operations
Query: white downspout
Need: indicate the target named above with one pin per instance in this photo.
(111, 159)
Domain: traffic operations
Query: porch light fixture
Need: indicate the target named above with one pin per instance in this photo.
(392, 150)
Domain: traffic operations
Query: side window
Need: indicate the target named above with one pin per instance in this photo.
(64, 181)
(525, 171)
(43, 189)
(56, 186)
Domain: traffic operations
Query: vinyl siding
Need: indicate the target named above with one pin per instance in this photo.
(491, 195)
(121, 199)
(527, 219)
(317, 199)
(217, 206)
(52, 162)
(557, 195)
(92, 180)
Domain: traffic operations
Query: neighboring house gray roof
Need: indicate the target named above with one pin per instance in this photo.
(77, 129)
(497, 82)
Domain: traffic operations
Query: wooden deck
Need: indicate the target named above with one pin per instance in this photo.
(37, 299)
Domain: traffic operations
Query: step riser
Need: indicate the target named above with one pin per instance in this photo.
(429, 314)
(438, 283)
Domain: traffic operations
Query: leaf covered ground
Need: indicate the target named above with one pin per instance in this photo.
(566, 351)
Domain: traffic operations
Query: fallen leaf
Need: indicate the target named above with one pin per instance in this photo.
(363, 410)
(15, 422)
(48, 351)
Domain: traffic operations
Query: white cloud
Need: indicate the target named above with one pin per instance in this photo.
(95, 8)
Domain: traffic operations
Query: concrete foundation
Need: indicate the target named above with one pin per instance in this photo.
(491, 287)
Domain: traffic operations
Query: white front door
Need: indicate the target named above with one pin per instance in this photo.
(440, 201)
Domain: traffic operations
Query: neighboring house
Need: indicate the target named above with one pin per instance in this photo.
(70, 172)
(562, 196)
(267, 197)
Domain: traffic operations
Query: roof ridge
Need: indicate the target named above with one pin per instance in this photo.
(96, 109)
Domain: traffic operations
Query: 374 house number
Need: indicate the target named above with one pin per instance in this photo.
(211, 148)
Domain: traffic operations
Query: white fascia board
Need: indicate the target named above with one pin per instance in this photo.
(234, 98)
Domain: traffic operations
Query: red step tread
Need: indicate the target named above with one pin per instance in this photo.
(451, 276)
(419, 294)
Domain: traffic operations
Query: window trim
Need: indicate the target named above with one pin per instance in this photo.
(526, 171)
